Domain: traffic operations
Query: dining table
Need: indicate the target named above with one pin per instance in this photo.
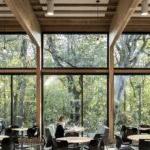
(138, 137)
(75, 140)
(21, 130)
(3, 137)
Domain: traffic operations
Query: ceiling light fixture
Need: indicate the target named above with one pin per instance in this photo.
(97, 2)
(144, 8)
(50, 8)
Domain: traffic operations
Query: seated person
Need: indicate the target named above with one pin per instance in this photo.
(60, 128)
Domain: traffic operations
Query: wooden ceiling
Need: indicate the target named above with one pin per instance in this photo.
(74, 15)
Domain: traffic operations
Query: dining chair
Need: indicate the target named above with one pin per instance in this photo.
(144, 144)
(121, 145)
(7, 144)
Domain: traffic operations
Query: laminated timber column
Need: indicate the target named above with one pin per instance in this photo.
(39, 91)
(124, 12)
(23, 12)
(111, 95)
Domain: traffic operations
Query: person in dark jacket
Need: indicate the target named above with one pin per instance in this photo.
(60, 127)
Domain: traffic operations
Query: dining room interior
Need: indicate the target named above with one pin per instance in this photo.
(75, 74)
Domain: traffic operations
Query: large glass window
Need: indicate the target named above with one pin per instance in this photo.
(17, 93)
(5, 100)
(66, 94)
(75, 50)
(94, 102)
(132, 100)
(16, 51)
(24, 100)
(133, 51)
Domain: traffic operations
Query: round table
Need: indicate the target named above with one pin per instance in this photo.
(75, 140)
(3, 137)
(21, 130)
(137, 137)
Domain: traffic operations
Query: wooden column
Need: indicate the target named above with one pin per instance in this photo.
(111, 95)
(39, 91)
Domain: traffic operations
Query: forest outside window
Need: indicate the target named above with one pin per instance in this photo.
(132, 100)
(18, 101)
(133, 51)
(74, 96)
(17, 51)
(75, 50)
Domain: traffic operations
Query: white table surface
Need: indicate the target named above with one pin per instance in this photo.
(20, 129)
(75, 140)
(3, 136)
(137, 137)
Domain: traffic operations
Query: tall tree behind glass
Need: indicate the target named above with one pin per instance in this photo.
(131, 51)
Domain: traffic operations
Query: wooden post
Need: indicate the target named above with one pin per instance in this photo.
(111, 95)
(39, 91)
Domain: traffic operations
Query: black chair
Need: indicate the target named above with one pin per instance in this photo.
(121, 145)
(33, 133)
(7, 144)
(14, 135)
(104, 137)
(48, 139)
(144, 144)
(95, 145)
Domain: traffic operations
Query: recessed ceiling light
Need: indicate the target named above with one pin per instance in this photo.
(144, 6)
(50, 8)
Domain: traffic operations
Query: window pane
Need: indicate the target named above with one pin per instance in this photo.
(133, 51)
(5, 100)
(75, 50)
(16, 51)
(132, 100)
(95, 102)
(62, 96)
(24, 106)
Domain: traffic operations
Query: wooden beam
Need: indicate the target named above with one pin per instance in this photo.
(123, 14)
(23, 12)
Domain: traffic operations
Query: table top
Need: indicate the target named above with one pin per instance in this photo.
(137, 137)
(75, 129)
(144, 129)
(20, 129)
(75, 140)
(3, 136)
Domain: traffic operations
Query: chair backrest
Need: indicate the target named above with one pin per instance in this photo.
(7, 144)
(118, 141)
(97, 136)
(30, 132)
(144, 144)
(101, 145)
(49, 138)
(8, 131)
(94, 145)
(62, 144)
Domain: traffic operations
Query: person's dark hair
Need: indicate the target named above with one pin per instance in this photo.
(61, 118)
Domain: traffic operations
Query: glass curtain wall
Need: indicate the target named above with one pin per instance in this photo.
(17, 92)
(82, 99)
(131, 91)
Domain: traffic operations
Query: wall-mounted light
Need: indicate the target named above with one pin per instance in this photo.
(144, 6)
(50, 8)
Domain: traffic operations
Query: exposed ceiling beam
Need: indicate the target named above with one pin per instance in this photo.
(23, 12)
(123, 14)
